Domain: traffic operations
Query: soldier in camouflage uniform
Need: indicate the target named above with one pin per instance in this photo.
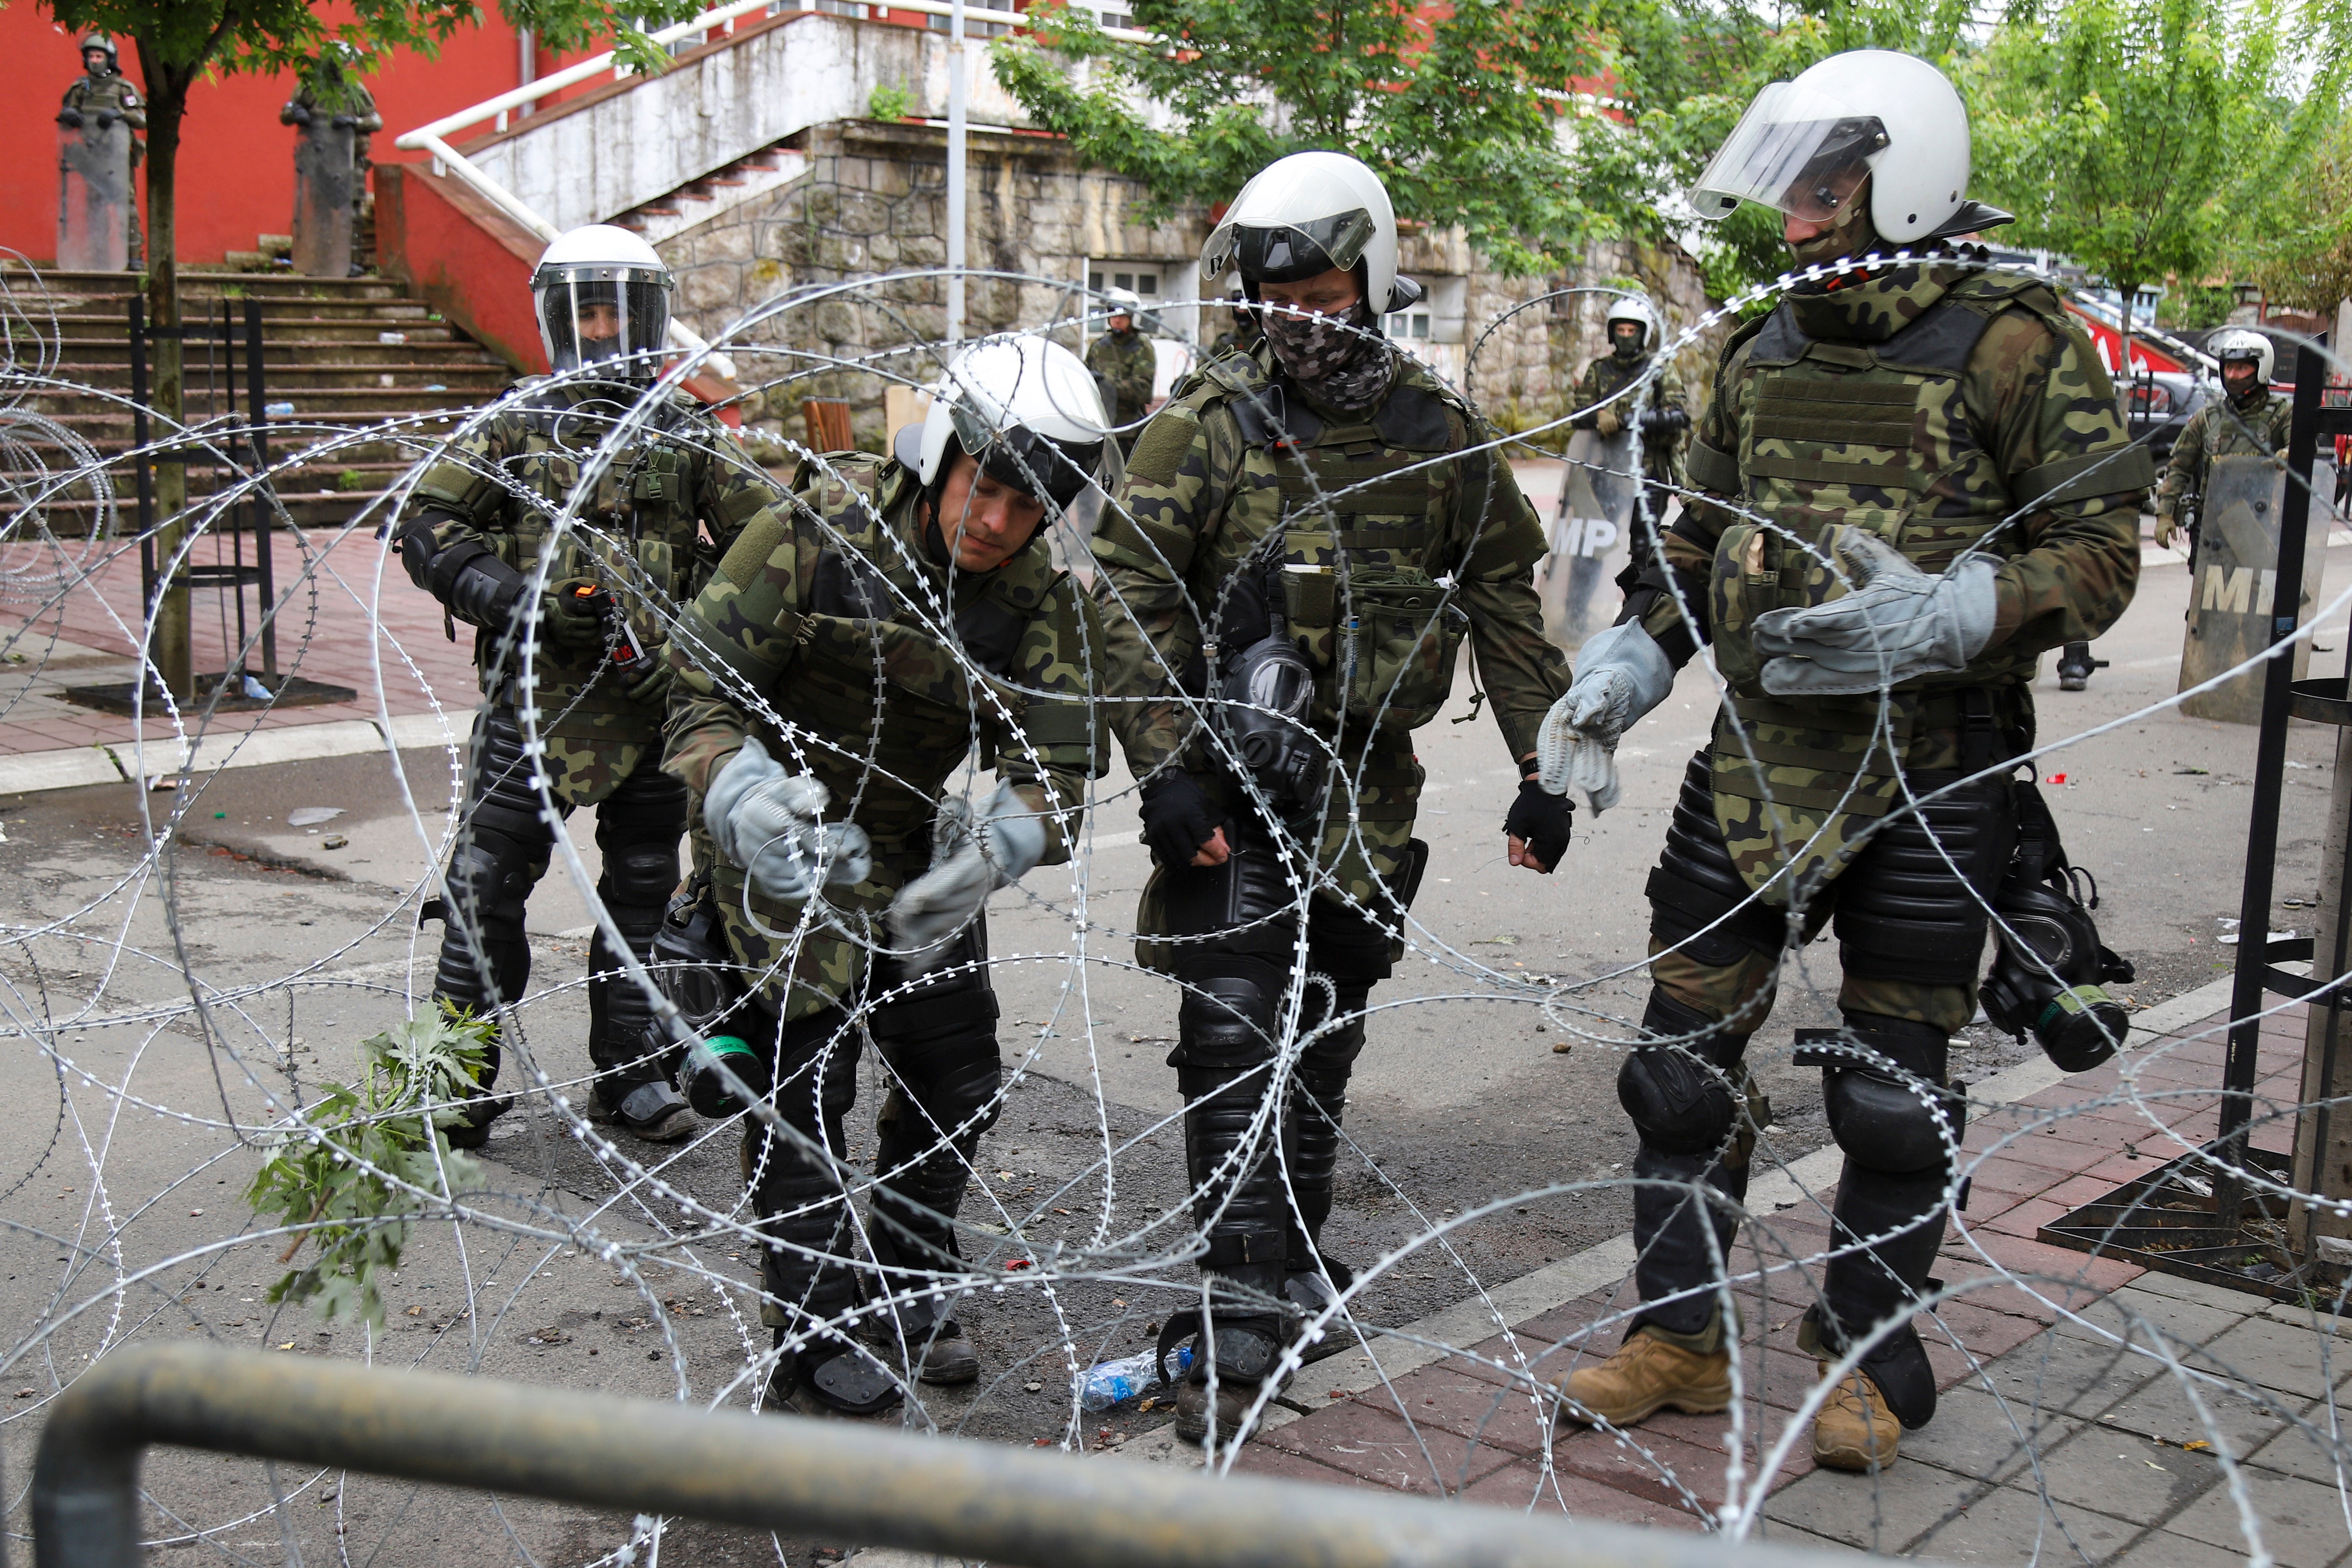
(1915, 481)
(1295, 556)
(834, 675)
(479, 522)
(1658, 409)
(1122, 360)
(2247, 420)
(102, 91)
(332, 87)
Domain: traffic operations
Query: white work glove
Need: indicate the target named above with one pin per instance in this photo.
(1622, 674)
(969, 861)
(770, 823)
(1896, 622)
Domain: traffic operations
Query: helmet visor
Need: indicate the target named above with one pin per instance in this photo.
(1797, 151)
(1290, 252)
(1017, 456)
(591, 315)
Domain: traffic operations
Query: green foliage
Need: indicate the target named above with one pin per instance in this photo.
(1448, 104)
(888, 101)
(2135, 135)
(225, 36)
(349, 1174)
(2297, 240)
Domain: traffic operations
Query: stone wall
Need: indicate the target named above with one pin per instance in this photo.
(874, 202)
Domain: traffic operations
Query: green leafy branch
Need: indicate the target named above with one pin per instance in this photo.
(347, 1180)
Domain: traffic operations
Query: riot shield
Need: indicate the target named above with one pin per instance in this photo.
(1590, 537)
(94, 198)
(2233, 583)
(326, 180)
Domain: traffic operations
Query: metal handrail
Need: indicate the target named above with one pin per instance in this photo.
(833, 1479)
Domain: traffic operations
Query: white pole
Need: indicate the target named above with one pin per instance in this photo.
(955, 172)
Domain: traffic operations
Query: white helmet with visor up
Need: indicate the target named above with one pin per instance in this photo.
(601, 294)
(1804, 147)
(1307, 214)
(2238, 343)
(1026, 407)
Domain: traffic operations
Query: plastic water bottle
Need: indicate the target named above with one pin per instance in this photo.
(1113, 1383)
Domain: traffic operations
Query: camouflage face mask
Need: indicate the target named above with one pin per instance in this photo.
(1334, 357)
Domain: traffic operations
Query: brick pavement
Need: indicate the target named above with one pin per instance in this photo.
(2059, 1438)
(351, 604)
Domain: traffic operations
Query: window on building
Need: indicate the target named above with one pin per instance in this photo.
(1409, 324)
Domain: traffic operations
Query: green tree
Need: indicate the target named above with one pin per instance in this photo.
(181, 40)
(2126, 133)
(1459, 107)
(2296, 238)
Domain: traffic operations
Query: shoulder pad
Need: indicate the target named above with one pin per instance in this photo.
(1412, 417)
(1743, 335)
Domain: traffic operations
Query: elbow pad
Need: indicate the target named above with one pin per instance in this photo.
(484, 591)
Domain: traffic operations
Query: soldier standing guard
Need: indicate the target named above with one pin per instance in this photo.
(1915, 481)
(1307, 532)
(2247, 419)
(1122, 360)
(907, 613)
(99, 100)
(336, 114)
(1658, 411)
(480, 520)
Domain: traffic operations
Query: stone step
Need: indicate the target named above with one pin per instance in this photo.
(451, 375)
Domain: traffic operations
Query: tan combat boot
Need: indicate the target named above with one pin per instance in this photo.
(1645, 1375)
(1855, 1431)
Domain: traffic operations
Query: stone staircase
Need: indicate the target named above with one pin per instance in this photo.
(346, 353)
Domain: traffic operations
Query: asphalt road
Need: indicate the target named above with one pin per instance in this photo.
(121, 1180)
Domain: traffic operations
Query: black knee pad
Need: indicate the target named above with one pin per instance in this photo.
(1898, 1119)
(817, 1069)
(953, 1074)
(1226, 1018)
(1699, 903)
(1334, 1047)
(642, 876)
(1678, 1095)
(1912, 906)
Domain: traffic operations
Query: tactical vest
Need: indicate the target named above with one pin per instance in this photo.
(635, 529)
(1873, 436)
(883, 707)
(1366, 548)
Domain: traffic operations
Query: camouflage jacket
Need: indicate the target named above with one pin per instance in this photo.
(1127, 361)
(2223, 429)
(657, 517)
(1944, 407)
(1661, 456)
(844, 625)
(1386, 550)
(99, 95)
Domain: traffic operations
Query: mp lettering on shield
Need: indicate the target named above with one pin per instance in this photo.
(1587, 536)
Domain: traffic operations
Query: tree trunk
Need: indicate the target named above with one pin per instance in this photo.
(2126, 291)
(169, 639)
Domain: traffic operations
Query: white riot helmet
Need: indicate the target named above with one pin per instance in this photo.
(1804, 147)
(1123, 302)
(601, 293)
(1025, 406)
(1634, 309)
(2238, 343)
(1307, 214)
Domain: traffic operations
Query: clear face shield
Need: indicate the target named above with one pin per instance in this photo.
(591, 315)
(1289, 253)
(1796, 150)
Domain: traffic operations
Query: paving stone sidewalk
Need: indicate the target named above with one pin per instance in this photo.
(74, 620)
(2096, 1437)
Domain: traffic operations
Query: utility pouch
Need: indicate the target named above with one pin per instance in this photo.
(1397, 644)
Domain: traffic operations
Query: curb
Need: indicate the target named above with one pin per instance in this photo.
(1607, 1262)
(122, 762)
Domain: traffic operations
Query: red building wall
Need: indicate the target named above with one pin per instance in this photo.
(237, 162)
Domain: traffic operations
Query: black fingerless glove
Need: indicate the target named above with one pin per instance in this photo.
(1543, 821)
(1178, 819)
